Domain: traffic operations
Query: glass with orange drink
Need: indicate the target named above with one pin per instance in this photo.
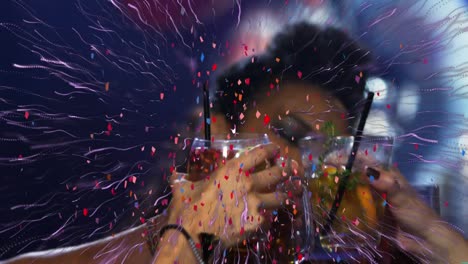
(358, 218)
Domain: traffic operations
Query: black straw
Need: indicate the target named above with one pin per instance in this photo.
(349, 164)
(206, 111)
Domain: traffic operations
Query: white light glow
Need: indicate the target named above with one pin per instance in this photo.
(377, 86)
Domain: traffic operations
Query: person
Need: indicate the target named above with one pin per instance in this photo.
(307, 77)
(310, 76)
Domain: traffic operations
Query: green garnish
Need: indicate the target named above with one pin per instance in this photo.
(329, 130)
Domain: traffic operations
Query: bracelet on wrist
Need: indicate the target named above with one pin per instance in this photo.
(187, 236)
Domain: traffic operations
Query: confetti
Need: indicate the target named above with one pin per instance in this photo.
(26, 115)
(202, 57)
(161, 96)
(258, 114)
(299, 74)
(85, 211)
(266, 120)
(214, 67)
(247, 81)
(107, 86)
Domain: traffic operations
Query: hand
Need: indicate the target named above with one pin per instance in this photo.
(234, 201)
(420, 230)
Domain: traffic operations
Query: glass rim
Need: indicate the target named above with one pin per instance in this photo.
(241, 137)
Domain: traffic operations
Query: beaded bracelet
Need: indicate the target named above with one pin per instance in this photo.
(187, 236)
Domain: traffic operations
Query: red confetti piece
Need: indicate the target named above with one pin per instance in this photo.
(242, 231)
(26, 114)
(310, 157)
(195, 208)
(161, 96)
(247, 81)
(214, 67)
(388, 106)
(230, 221)
(232, 195)
(85, 211)
(142, 220)
(416, 146)
(366, 152)
(299, 74)
(226, 177)
(109, 127)
(266, 120)
(375, 147)
(202, 204)
(192, 186)
(198, 245)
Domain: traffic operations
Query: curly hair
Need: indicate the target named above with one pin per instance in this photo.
(302, 52)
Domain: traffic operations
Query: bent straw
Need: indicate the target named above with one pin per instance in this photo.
(349, 164)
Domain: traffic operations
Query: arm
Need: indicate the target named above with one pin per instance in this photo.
(126, 247)
(420, 231)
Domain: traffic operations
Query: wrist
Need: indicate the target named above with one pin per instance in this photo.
(177, 247)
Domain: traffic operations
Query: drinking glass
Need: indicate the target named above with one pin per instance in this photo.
(356, 226)
(280, 240)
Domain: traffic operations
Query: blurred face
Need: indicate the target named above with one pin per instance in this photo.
(287, 115)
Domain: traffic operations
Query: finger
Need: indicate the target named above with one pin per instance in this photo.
(255, 156)
(388, 181)
(409, 210)
(271, 201)
(268, 179)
